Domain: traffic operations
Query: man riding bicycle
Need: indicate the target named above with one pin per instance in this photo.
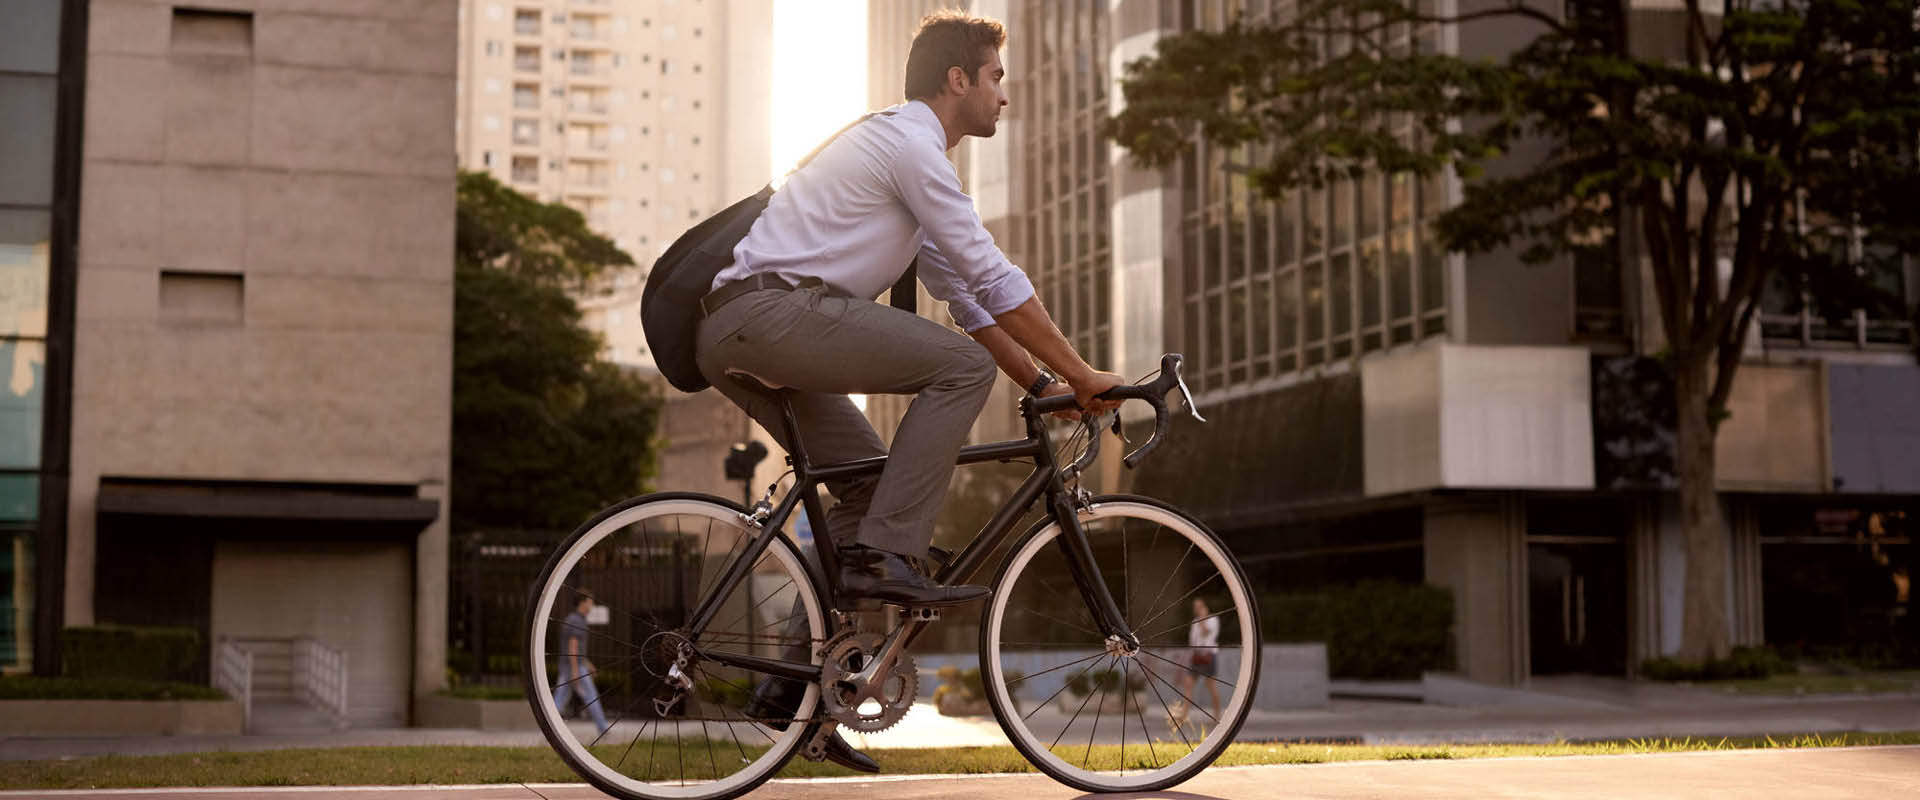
(796, 309)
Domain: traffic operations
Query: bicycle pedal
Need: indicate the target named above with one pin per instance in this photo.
(921, 614)
(816, 748)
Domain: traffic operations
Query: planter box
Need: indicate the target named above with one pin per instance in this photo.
(441, 711)
(119, 717)
(1292, 676)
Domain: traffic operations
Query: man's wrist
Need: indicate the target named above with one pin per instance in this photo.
(1040, 383)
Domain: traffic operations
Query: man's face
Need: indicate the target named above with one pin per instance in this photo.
(980, 106)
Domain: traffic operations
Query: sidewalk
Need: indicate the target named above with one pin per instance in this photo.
(1608, 709)
(1863, 772)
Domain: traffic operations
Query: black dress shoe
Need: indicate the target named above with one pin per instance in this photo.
(773, 704)
(866, 572)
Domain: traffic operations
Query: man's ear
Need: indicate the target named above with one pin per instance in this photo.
(957, 81)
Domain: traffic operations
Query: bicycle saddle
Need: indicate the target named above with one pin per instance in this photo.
(752, 382)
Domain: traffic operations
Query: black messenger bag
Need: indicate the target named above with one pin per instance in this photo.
(670, 304)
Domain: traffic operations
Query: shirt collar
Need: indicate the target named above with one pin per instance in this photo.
(920, 112)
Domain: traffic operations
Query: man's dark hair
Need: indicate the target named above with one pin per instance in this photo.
(946, 39)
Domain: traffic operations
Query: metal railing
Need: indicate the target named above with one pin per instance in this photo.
(233, 674)
(320, 677)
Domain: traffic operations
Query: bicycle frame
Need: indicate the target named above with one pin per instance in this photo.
(1045, 480)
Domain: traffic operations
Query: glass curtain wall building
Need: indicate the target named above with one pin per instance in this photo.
(31, 197)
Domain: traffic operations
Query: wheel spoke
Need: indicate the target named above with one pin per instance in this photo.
(1071, 720)
(1187, 668)
(682, 545)
(1030, 626)
(1176, 602)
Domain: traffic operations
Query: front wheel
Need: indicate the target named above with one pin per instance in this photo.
(1099, 716)
(659, 717)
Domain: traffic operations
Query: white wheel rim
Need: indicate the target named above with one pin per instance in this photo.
(1242, 692)
(537, 637)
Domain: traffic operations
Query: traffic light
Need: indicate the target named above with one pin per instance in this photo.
(742, 458)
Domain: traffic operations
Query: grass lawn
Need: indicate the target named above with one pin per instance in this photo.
(471, 765)
(1874, 682)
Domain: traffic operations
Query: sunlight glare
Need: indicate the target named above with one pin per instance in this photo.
(819, 73)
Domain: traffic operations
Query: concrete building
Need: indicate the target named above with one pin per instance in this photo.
(236, 360)
(1380, 408)
(645, 115)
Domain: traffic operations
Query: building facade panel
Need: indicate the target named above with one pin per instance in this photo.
(266, 290)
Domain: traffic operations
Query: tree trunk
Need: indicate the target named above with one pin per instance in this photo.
(1704, 632)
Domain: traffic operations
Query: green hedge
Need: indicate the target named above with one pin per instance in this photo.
(1373, 629)
(127, 651)
(1744, 662)
(26, 687)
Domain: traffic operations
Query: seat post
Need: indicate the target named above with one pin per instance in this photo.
(796, 453)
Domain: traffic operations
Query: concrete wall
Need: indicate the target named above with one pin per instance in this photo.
(1476, 547)
(301, 162)
(1448, 415)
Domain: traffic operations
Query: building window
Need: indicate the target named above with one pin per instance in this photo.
(526, 169)
(526, 59)
(1063, 231)
(526, 22)
(526, 132)
(1794, 313)
(526, 96)
(1273, 286)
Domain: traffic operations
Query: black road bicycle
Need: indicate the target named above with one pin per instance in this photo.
(1085, 652)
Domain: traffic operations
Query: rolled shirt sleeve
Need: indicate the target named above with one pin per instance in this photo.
(936, 272)
(962, 264)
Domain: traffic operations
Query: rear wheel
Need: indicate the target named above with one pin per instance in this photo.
(659, 717)
(1095, 714)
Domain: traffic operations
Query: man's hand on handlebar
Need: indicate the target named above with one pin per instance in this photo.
(1094, 383)
(1058, 388)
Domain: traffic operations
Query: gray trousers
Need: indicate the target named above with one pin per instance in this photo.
(825, 348)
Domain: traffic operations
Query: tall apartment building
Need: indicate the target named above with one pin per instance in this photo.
(1380, 408)
(226, 247)
(644, 115)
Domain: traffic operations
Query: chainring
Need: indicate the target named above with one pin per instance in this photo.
(841, 698)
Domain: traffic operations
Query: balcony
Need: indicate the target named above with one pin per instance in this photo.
(589, 36)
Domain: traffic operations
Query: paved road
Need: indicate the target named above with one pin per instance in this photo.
(1864, 772)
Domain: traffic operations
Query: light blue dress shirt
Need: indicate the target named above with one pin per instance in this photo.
(858, 213)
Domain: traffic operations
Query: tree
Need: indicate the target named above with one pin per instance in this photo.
(1772, 140)
(544, 433)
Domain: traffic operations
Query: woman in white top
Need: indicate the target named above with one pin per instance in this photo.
(1203, 639)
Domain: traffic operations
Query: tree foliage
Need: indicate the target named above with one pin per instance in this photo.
(1735, 143)
(544, 432)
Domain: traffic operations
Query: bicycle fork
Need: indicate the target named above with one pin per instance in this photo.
(1092, 583)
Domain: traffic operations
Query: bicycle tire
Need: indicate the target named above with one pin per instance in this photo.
(994, 658)
(540, 609)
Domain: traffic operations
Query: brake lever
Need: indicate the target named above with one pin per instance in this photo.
(1187, 394)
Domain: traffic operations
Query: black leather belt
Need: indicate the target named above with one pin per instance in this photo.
(726, 294)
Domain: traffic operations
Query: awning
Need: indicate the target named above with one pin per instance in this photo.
(275, 501)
